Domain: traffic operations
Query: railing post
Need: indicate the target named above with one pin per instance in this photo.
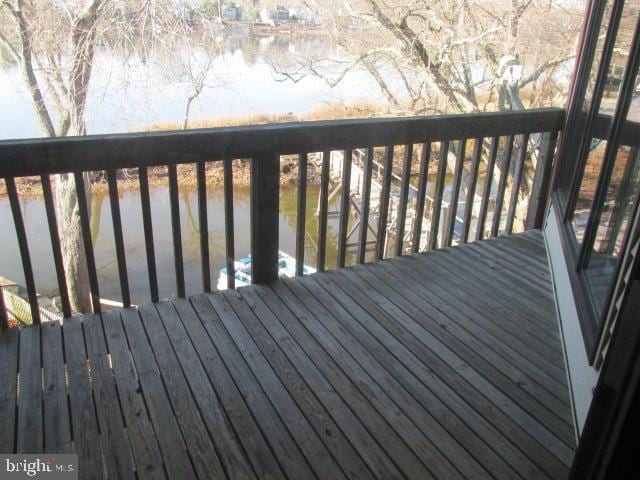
(541, 179)
(4, 316)
(265, 192)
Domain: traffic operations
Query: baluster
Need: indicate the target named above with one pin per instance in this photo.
(517, 180)
(486, 194)
(364, 208)
(118, 239)
(384, 202)
(322, 210)
(437, 201)
(176, 229)
(4, 316)
(302, 212)
(87, 241)
(404, 198)
(541, 182)
(229, 230)
(425, 157)
(55, 244)
(145, 202)
(455, 192)
(18, 223)
(345, 199)
(265, 188)
(502, 185)
(203, 223)
(471, 190)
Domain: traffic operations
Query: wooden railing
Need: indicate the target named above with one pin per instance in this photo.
(529, 137)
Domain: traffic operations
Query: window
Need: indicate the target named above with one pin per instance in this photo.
(599, 183)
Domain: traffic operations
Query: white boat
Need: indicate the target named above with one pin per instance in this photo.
(286, 268)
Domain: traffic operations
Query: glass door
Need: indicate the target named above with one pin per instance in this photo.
(598, 184)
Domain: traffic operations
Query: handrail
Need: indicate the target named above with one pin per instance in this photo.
(47, 156)
(263, 145)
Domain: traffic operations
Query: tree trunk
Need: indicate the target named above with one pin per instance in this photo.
(70, 229)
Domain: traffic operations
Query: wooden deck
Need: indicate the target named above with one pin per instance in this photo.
(440, 365)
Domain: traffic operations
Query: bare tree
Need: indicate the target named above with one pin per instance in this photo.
(54, 44)
(67, 87)
(443, 55)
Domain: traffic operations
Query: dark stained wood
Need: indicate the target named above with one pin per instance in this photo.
(114, 202)
(203, 225)
(229, 231)
(364, 205)
(18, 223)
(437, 199)
(541, 181)
(30, 435)
(404, 196)
(145, 203)
(265, 188)
(87, 241)
(384, 202)
(455, 193)
(471, 189)
(345, 204)
(8, 388)
(323, 210)
(486, 190)
(100, 152)
(176, 230)
(441, 365)
(425, 157)
(4, 316)
(54, 235)
(502, 185)
(57, 429)
(301, 218)
(517, 180)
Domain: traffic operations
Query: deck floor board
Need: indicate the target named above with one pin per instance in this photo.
(431, 366)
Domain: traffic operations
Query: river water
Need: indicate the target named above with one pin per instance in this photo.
(102, 233)
(129, 95)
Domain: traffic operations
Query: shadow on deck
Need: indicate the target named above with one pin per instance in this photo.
(440, 365)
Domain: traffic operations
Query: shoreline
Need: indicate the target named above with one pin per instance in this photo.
(30, 187)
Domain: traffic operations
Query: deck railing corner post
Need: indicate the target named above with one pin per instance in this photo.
(265, 193)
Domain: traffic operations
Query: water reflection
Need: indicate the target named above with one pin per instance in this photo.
(130, 92)
(102, 233)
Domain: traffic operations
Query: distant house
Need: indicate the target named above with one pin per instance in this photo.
(232, 13)
(281, 14)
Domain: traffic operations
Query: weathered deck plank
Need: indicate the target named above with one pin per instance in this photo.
(57, 431)
(8, 387)
(439, 365)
